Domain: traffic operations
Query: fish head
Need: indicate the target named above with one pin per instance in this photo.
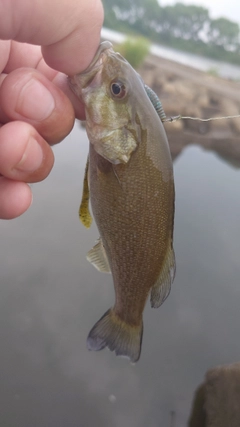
(111, 91)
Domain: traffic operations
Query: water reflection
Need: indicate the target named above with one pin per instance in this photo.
(51, 296)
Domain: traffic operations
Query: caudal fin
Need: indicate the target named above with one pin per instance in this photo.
(110, 331)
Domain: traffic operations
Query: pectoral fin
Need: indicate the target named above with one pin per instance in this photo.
(162, 287)
(98, 257)
(84, 213)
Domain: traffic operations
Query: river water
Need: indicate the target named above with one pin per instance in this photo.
(223, 69)
(50, 297)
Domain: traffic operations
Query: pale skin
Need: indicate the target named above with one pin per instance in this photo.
(37, 108)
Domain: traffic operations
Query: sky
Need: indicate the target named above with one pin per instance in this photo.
(229, 9)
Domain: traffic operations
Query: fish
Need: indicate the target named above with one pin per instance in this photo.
(129, 177)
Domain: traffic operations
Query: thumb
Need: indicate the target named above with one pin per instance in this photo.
(27, 95)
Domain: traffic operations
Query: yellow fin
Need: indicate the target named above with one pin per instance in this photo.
(110, 331)
(84, 213)
(162, 287)
(98, 257)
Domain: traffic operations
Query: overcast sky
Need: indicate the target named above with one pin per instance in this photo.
(229, 9)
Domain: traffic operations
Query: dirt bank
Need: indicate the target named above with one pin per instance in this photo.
(189, 92)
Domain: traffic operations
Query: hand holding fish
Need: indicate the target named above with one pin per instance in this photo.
(37, 108)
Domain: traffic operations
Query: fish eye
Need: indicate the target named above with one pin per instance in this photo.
(118, 89)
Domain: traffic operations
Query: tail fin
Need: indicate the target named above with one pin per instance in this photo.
(110, 331)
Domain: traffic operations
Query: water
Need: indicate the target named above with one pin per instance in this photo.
(224, 69)
(50, 297)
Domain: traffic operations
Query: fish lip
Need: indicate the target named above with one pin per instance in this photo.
(79, 81)
(103, 46)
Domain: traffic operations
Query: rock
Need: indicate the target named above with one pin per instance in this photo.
(217, 401)
(203, 100)
(231, 108)
(185, 90)
(174, 126)
(169, 89)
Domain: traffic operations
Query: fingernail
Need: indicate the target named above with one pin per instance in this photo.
(35, 102)
(32, 157)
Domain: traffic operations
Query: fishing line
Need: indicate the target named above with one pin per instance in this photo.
(175, 118)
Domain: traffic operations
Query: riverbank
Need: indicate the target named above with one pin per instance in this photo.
(186, 91)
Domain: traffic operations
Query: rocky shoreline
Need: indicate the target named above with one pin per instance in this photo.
(186, 91)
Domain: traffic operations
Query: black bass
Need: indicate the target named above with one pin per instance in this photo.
(130, 178)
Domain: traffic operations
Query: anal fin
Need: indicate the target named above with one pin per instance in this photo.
(98, 257)
(162, 287)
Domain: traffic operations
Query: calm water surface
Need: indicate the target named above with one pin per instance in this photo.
(50, 297)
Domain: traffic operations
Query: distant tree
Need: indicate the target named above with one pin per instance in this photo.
(141, 15)
(135, 10)
(151, 13)
(184, 21)
(225, 33)
(185, 27)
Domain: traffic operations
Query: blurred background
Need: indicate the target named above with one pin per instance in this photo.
(50, 296)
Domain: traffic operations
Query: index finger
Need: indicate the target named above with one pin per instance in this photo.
(67, 30)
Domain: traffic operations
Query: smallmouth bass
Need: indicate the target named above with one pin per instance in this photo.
(131, 186)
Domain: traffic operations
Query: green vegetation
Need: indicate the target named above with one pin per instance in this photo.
(134, 50)
(213, 72)
(185, 27)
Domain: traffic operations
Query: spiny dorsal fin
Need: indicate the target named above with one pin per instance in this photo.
(162, 287)
(84, 213)
(98, 257)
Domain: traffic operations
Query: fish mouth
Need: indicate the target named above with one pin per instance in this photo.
(80, 81)
(97, 58)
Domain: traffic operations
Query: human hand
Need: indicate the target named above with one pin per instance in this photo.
(37, 108)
